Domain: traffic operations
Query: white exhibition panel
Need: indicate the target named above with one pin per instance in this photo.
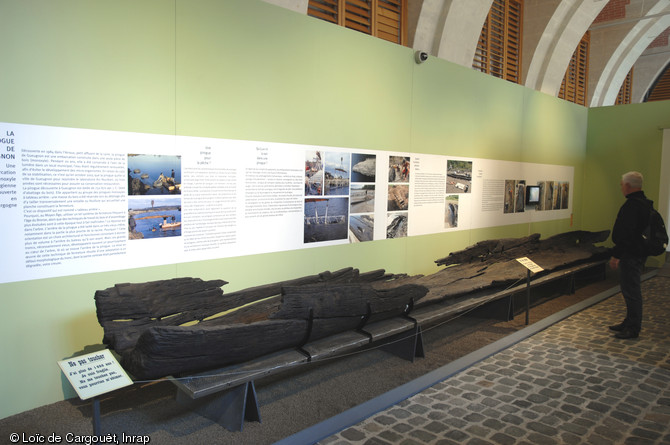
(80, 201)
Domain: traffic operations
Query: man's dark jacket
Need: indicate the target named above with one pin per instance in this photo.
(630, 222)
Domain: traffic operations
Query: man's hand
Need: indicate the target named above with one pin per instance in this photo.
(614, 263)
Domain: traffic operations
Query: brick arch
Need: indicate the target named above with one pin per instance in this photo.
(628, 51)
(563, 32)
(450, 29)
(650, 66)
(659, 81)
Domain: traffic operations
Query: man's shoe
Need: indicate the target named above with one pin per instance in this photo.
(617, 327)
(626, 334)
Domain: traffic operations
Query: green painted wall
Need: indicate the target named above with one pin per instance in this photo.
(244, 69)
(621, 139)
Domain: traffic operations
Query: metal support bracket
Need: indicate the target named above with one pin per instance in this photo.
(229, 408)
(501, 309)
(97, 423)
(407, 345)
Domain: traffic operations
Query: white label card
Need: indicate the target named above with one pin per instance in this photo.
(529, 264)
(94, 374)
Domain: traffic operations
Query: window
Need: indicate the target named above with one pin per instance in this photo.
(626, 90)
(660, 90)
(575, 82)
(498, 51)
(386, 19)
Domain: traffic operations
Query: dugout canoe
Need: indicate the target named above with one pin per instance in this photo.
(184, 325)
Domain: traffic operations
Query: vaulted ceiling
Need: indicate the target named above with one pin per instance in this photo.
(624, 34)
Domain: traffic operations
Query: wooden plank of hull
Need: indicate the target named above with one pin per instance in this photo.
(492, 264)
(251, 313)
(162, 351)
(155, 299)
(342, 300)
(167, 350)
(314, 312)
(325, 327)
(467, 278)
(492, 250)
(126, 310)
(486, 249)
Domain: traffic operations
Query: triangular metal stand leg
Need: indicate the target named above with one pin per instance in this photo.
(571, 285)
(501, 309)
(97, 424)
(229, 408)
(252, 413)
(407, 345)
(418, 349)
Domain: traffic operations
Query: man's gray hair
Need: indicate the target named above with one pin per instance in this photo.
(634, 179)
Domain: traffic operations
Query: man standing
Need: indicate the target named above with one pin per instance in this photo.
(628, 253)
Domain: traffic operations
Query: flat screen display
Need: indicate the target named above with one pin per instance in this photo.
(532, 194)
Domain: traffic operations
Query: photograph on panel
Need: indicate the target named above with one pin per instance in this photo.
(510, 190)
(542, 185)
(398, 197)
(313, 173)
(337, 173)
(396, 225)
(564, 187)
(154, 174)
(556, 199)
(364, 167)
(549, 195)
(451, 211)
(398, 168)
(326, 219)
(362, 198)
(520, 196)
(361, 228)
(459, 176)
(158, 217)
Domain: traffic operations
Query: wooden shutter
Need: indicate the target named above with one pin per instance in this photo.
(626, 90)
(386, 19)
(661, 88)
(328, 10)
(574, 87)
(499, 48)
(358, 15)
(391, 20)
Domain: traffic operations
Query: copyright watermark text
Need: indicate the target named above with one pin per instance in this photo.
(77, 438)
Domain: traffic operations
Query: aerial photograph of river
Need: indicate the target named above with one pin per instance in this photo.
(154, 174)
(154, 218)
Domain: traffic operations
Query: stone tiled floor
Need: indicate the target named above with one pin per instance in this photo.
(572, 383)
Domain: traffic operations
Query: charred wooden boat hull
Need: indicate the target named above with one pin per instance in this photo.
(308, 312)
(187, 325)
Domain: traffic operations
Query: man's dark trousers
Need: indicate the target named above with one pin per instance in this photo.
(630, 272)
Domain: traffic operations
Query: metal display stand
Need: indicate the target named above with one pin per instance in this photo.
(97, 423)
(227, 395)
(228, 408)
(528, 297)
(500, 309)
(407, 345)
